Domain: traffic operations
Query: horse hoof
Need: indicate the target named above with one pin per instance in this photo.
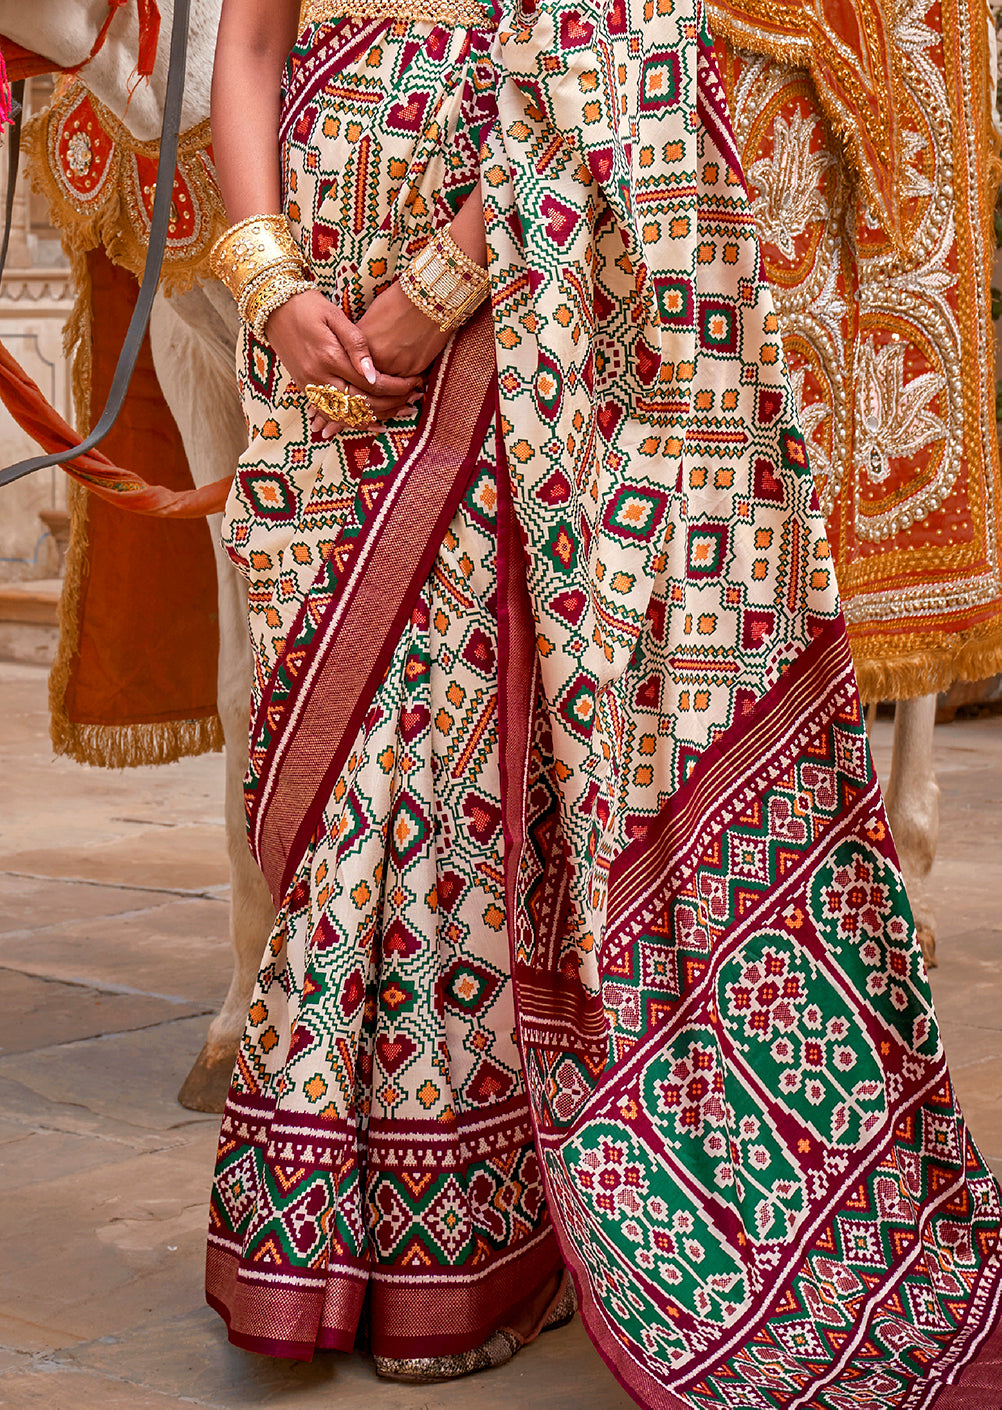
(207, 1084)
(927, 940)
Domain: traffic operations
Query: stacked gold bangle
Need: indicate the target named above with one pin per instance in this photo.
(262, 266)
(444, 283)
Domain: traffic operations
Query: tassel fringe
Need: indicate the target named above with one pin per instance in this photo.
(132, 746)
(927, 672)
(6, 96)
(105, 746)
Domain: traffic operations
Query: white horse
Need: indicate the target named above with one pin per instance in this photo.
(193, 337)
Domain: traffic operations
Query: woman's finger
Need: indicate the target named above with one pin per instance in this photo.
(383, 408)
(354, 343)
(336, 368)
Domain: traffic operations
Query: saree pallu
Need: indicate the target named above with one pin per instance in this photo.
(575, 835)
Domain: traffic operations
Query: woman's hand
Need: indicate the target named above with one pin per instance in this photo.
(317, 342)
(399, 336)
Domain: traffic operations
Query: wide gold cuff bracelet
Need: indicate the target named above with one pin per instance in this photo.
(444, 283)
(249, 248)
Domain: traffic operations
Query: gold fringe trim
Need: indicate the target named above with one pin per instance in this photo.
(61, 728)
(926, 672)
(133, 746)
(114, 220)
(77, 342)
(77, 347)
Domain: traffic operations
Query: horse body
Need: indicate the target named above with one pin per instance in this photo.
(64, 31)
(193, 338)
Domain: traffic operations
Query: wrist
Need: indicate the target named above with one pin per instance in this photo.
(261, 264)
(470, 239)
(404, 307)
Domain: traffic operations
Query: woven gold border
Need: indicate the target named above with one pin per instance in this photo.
(448, 12)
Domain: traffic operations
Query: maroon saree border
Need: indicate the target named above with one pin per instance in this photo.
(979, 1385)
(359, 631)
(727, 763)
(295, 1321)
(348, 38)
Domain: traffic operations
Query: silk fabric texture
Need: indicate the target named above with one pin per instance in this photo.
(595, 948)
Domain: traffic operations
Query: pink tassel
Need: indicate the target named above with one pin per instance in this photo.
(6, 96)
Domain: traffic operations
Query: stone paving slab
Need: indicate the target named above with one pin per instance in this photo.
(131, 1232)
(158, 944)
(13, 1361)
(38, 1156)
(188, 1358)
(29, 905)
(56, 806)
(124, 1079)
(56, 1389)
(195, 859)
(39, 1013)
(105, 1179)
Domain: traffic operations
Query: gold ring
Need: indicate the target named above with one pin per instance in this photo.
(349, 408)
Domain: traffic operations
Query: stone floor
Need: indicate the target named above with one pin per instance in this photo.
(113, 955)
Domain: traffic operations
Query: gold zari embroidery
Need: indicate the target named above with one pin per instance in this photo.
(456, 13)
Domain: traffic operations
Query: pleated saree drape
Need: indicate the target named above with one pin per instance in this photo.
(592, 945)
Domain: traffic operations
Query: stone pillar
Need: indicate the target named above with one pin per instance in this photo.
(35, 300)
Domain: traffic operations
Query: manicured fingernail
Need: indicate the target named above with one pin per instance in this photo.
(368, 367)
(329, 432)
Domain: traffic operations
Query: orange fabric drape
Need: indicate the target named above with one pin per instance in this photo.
(147, 641)
(24, 63)
(126, 490)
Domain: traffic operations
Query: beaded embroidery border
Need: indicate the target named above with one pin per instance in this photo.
(456, 13)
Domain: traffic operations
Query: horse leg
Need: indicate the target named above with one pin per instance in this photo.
(193, 338)
(912, 799)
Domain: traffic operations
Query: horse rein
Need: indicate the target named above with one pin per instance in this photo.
(169, 134)
(13, 162)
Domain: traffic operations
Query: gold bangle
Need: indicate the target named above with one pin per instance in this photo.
(256, 288)
(349, 408)
(277, 290)
(444, 282)
(247, 249)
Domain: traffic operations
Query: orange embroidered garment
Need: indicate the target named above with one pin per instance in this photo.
(884, 315)
(119, 695)
(848, 48)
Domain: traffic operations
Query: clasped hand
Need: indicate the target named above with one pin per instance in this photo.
(382, 357)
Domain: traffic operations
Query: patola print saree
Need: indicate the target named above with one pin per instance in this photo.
(592, 945)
